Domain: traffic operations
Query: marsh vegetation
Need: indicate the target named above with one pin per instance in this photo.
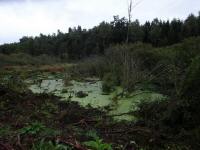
(102, 92)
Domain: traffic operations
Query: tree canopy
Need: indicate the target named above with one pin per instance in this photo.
(79, 43)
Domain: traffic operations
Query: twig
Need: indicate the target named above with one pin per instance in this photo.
(138, 129)
(19, 142)
(117, 115)
(83, 121)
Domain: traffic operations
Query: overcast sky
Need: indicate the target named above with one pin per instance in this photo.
(32, 17)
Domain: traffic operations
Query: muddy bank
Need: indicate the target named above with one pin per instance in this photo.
(67, 120)
(21, 109)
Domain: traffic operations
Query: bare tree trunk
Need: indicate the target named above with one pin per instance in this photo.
(130, 5)
(130, 9)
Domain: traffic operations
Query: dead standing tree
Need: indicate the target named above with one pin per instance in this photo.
(130, 6)
(130, 9)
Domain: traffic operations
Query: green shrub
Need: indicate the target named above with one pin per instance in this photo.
(37, 128)
(90, 67)
(109, 82)
(131, 64)
(190, 85)
(97, 144)
(33, 129)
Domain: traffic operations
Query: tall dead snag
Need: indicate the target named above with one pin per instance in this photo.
(130, 6)
(130, 9)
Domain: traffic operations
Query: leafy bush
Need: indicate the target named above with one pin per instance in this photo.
(131, 64)
(90, 67)
(97, 144)
(191, 82)
(109, 81)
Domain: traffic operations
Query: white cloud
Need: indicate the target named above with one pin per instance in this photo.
(31, 17)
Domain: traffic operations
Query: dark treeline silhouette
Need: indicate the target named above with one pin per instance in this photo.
(79, 43)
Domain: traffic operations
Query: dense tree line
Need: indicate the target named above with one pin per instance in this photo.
(79, 43)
